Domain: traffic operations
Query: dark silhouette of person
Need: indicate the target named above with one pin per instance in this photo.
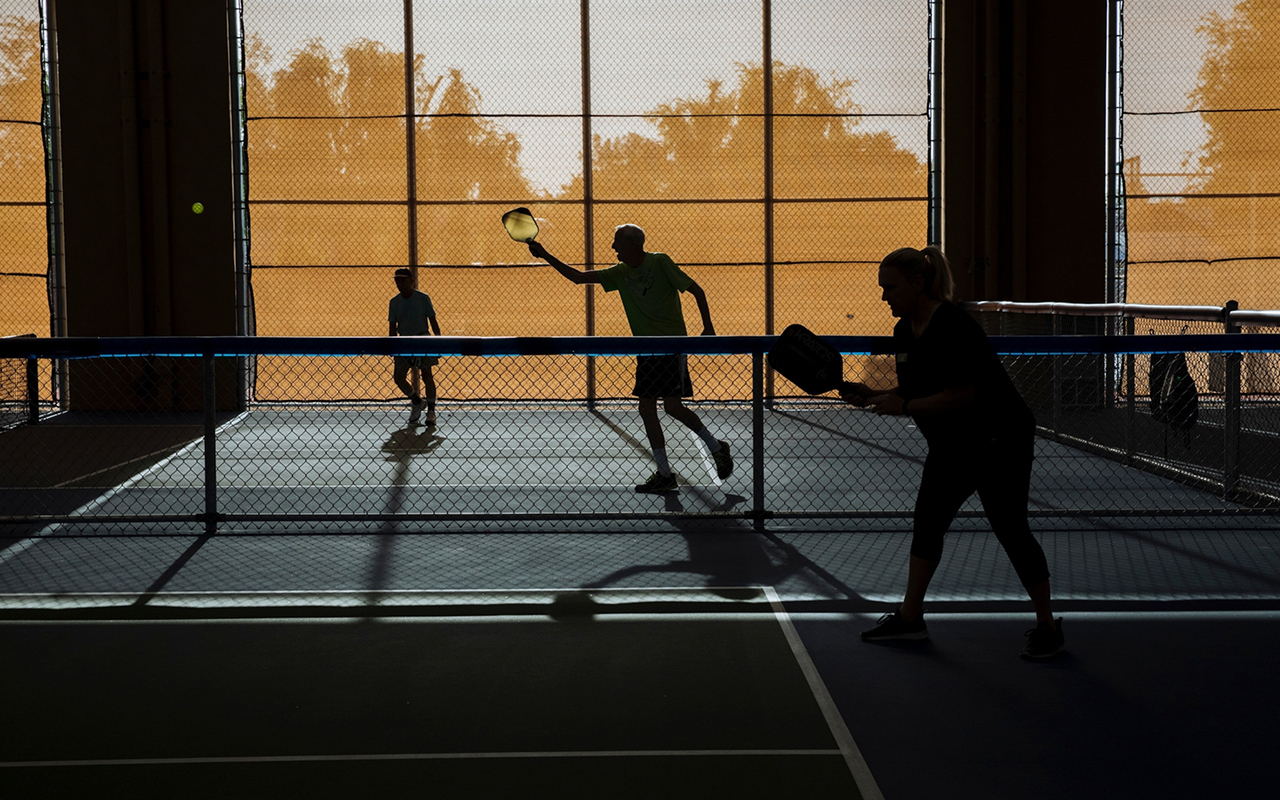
(650, 285)
(980, 432)
(410, 313)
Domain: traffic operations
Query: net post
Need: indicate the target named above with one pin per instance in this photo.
(1057, 382)
(1231, 410)
(210, 452)
(1131, 410)
(757, 439)
(33, 391)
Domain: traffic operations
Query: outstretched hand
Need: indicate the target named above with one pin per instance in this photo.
(538, 251)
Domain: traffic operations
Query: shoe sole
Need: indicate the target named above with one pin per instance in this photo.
(1041, 656)
(913, 636)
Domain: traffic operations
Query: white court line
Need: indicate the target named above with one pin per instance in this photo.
(848, 747)
(127, 762)
(19, 547)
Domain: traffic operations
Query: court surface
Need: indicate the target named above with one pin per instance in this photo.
(613, 658)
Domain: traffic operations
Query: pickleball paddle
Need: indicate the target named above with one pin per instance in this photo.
(520, 224)
(803, 358)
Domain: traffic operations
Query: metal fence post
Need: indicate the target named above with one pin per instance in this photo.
(1057, 382)
(1231, 410)
(210, 451)
(33, 391)
(1131, 401)
(757, 439)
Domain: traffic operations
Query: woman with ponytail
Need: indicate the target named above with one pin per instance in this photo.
(981, 438)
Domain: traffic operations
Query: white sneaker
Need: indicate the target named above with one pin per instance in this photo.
(415, 412)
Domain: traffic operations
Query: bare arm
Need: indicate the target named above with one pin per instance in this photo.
(701, 297)
(391, 329)
(575, 275)
(435, 326)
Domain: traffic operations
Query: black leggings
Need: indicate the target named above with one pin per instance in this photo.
(1000, 472)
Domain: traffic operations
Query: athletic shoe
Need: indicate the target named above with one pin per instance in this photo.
(1044, 641)
(657, 484)
(431, 417)
(415, 412)
(724, 461)
(893, 626)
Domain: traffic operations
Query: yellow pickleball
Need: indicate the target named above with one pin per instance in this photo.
(197, 208)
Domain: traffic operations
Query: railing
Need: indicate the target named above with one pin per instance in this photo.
(1236, 392)
(162, 434)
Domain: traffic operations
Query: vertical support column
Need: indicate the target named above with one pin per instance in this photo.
(588, 196)
(245, 324)
(767, 77)
(934, 222)
(1231, 411)
(411, 164)
(52, 119)
(210, 449)
(757, 439)
(1114, 196)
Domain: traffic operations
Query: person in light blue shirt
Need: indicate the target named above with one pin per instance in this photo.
(411, 314)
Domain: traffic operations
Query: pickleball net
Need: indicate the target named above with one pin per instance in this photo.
(264, 434)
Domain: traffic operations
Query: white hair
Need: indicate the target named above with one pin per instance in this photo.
(629, 231)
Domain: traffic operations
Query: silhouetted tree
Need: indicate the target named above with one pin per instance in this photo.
(1241, 71)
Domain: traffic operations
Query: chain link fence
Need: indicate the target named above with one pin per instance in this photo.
(1203, 416)
(1201, 172)
(24, 257)
(778, 196)
(166, 438)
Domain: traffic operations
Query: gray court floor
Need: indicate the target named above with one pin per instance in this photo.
(669, 655)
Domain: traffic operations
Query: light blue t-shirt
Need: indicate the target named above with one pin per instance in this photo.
(410, 314)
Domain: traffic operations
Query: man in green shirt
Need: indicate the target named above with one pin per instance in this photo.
(650, 285)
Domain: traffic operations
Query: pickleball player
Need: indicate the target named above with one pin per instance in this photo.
(650, 285)
(411, 313)
(980, 433)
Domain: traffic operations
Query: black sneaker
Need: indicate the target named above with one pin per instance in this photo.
(724, 461)
(657, 484)
(893, 626)
(1044, 642)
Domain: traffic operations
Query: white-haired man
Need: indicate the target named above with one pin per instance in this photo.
(650, 285)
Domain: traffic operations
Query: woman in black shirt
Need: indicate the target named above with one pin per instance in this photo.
(981, 438)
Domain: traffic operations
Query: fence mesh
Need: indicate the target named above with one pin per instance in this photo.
(131, 447)
(24, 256)
(672, 137)
(1202, 172)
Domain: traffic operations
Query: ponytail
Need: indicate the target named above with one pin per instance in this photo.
(929, 264)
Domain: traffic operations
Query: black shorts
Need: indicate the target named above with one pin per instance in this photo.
(415, 361)
(663, 376)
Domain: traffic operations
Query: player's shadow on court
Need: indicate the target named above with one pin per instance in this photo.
(401, 448)
(733, 561)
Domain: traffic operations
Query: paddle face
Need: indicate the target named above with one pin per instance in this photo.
(807, 361)
(520, 224)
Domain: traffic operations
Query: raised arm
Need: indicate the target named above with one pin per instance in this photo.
(701, 297)
(575, 275)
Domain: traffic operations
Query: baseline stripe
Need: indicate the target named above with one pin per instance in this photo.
(147, 762)
(862, 776)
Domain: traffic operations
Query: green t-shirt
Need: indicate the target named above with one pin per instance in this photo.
(650, 294)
